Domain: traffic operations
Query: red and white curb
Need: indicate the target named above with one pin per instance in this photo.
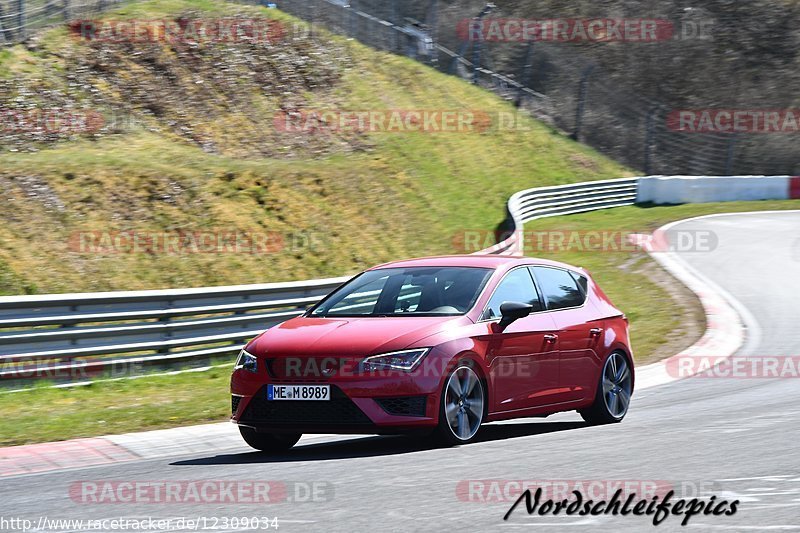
(112, 449)
(725, 316)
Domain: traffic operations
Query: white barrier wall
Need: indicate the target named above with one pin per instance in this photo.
(703, 189)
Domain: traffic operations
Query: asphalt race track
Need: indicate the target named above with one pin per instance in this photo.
(733, 438)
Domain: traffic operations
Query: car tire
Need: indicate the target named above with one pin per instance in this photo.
(613, 397)
(462, 407)
(269, 442)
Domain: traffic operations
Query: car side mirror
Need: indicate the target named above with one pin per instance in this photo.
(512, 311)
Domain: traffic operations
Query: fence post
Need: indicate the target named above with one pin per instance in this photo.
(731, 154)
(397, 21)
(67, 14)
(476, 47)
(433, 24)
(649, 140)
(526, 69)
(21, 19)
(310, 19)
(476, 58)
(582, 88)
(3, 37)
(351, 23)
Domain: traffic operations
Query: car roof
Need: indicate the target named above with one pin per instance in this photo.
(501, 262)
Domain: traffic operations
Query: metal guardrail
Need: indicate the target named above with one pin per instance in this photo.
(541, 202)
(64, 337)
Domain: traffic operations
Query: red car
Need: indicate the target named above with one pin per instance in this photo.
(440, 345)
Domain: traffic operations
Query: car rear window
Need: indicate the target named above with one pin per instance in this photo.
(559, 288)
(583, 283)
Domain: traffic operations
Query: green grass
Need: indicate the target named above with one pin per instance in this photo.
(194, 398)
(115, 407)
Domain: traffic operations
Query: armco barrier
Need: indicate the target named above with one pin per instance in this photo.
(48, 336)
(542, 202)
(68, 336)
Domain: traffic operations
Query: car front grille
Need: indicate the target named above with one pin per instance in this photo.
(404, 405)
(338, 411)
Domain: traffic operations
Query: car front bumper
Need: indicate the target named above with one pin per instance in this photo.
(402, 402)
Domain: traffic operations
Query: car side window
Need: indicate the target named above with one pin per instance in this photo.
(517, 286)
(559, 288)
(582, 282)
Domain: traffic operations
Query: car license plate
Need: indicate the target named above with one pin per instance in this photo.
(299, 392)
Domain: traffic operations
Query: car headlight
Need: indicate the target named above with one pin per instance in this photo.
(404, 360)
(246, 361)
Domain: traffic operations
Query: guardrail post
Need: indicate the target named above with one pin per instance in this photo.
(66, 9)
(582, 90)
(167, 332)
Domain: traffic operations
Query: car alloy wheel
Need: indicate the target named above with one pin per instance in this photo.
(614, 391)
(617, 385)
(463, 402)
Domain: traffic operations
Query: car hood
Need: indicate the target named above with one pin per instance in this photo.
(351, 337)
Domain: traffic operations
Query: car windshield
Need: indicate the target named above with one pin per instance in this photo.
(418, 291)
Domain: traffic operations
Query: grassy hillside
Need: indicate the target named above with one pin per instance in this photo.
(189, 145)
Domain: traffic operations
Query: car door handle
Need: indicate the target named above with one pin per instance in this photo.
(550, 337)
(595, 332)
